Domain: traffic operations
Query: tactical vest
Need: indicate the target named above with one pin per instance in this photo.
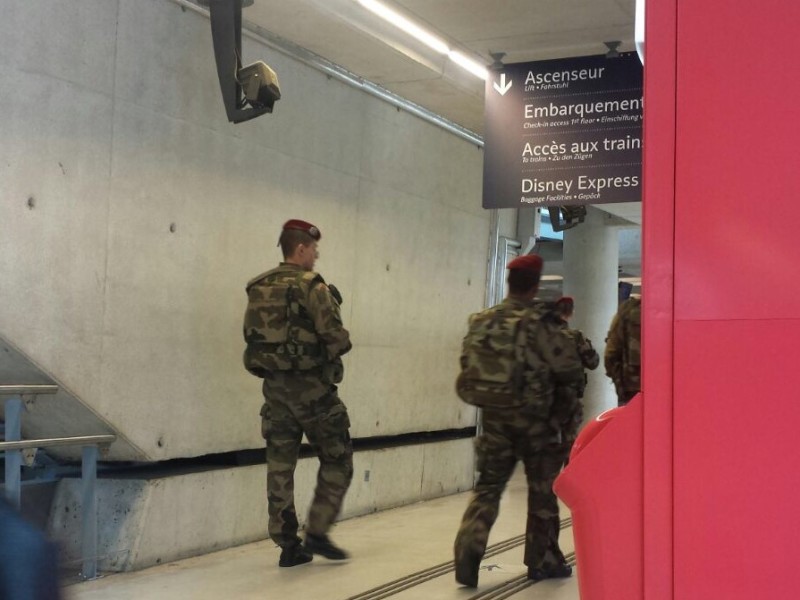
(278, 329)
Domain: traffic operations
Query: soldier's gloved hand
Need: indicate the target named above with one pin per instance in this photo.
(337, 295)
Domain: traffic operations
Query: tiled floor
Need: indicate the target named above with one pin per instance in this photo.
(385, 547)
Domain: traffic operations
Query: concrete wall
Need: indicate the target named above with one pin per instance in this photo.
(145, 522)
(113, 132)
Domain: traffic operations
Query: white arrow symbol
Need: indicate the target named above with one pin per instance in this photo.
(503, 87)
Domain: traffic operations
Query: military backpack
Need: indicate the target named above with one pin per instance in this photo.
(493, 358)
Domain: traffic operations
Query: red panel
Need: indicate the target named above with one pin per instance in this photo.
(738, 183)
(737, 471)
(657, 315)
(737, 301)
(602, 485)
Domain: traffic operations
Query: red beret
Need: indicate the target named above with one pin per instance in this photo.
(566, 300)
(529, 262)
(299, 225)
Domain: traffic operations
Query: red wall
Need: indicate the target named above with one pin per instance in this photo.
(722, 300)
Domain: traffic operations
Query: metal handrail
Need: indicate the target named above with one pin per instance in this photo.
(36, 389)
(17, 397)
(78, 440)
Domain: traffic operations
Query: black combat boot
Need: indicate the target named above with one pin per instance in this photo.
(467, 567)
(322, 545)
(294, 555)
(550, 572)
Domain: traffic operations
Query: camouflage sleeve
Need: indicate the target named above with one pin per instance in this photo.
(615, 342)
(327, 318)
(589, 357)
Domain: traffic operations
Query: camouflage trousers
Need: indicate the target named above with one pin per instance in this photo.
(293, 407)
(504, 441)
(625, 396)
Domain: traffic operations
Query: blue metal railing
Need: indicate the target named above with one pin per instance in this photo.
(16, 397)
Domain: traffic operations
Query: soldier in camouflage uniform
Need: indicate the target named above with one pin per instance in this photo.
(529, 432)
(623, 350)
(573, 406)
(295, 340)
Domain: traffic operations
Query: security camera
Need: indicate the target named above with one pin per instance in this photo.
(566, 217)
(256, 84)
(260, 85)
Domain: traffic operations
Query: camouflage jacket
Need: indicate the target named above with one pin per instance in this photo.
(590, 359)
(622, 357)
(292, 322)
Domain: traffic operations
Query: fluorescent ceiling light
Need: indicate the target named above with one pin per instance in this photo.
(410, 28)
(425, 37)
(467, 63)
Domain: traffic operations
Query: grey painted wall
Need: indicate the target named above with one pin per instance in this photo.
(112, 123)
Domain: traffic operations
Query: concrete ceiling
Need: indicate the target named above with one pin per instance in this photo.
(350, 36)
(346, 33)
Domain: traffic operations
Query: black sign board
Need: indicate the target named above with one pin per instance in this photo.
(561, 132)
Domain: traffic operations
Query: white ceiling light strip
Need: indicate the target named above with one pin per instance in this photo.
(409, 27)
(468, 64)
(425, 37)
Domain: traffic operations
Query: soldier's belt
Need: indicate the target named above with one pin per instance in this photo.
(289, 349)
